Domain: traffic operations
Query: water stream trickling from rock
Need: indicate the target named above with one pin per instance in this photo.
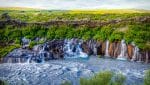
(72, 49)
(123, 54)
(107, 47)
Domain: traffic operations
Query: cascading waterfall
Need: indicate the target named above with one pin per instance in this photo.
(135, 53)
(40, 55)
(106, 49)
(93, 46)
(72, 49)
(29, 59)
(43, 54)
(123, 54)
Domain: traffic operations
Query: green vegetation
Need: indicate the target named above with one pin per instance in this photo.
(3, 82)
(136, 32)
(104, 78)
(33, 15)
(147, 78)
(6, 49)
(66, 83)
(108, 78)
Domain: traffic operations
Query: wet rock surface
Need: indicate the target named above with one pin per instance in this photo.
(54, 72)
(69, 48)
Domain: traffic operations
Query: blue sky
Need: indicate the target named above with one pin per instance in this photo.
(77, 4)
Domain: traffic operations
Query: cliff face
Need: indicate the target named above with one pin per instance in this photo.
(76, 48)
(75, 23)
(117, 50)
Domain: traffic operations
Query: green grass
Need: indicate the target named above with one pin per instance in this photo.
(66, 83)
(4, 50)
(3, 82)
(104, 78)
(147, 78)
(35, 15)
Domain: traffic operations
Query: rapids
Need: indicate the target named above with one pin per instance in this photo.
(54, 72)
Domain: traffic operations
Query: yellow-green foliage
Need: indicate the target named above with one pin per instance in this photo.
(147, 78)
(34, 15)
(4, 50)
(108, 11)
(137, 33)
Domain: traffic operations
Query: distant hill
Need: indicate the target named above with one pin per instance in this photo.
(18, 8)
(97, 11)
(109, 11)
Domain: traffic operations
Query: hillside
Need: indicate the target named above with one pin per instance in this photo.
(28, 19)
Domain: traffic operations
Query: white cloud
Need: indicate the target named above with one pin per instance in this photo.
(77, 4)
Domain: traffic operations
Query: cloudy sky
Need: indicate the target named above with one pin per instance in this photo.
(77, 4)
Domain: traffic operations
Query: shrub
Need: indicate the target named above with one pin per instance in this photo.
(102, 78)
(118, 79)
(116, 36)
(31, 44)
(17, 41)
(5, 50)
(147, 78)
(51, 33)
(66, 83)
(3, 82)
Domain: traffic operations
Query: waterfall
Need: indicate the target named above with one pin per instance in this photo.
(72, 49)
(93, 46)
(123, 54)
(135, 53)
(106, 49)
(29, 59)
(25, 42)
(39, 55)
(42, 54)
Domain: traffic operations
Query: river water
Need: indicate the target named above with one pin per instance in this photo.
(54, 72)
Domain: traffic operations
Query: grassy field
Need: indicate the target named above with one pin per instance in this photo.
(109, 11)
(36, 15)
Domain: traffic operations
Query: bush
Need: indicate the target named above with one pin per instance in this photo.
(147, 78)
(3, 82)
(116, 36)
(104, 78)
(66, 83)
(118, 79)
(31, 44)
(5, 50)
(17, 41)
